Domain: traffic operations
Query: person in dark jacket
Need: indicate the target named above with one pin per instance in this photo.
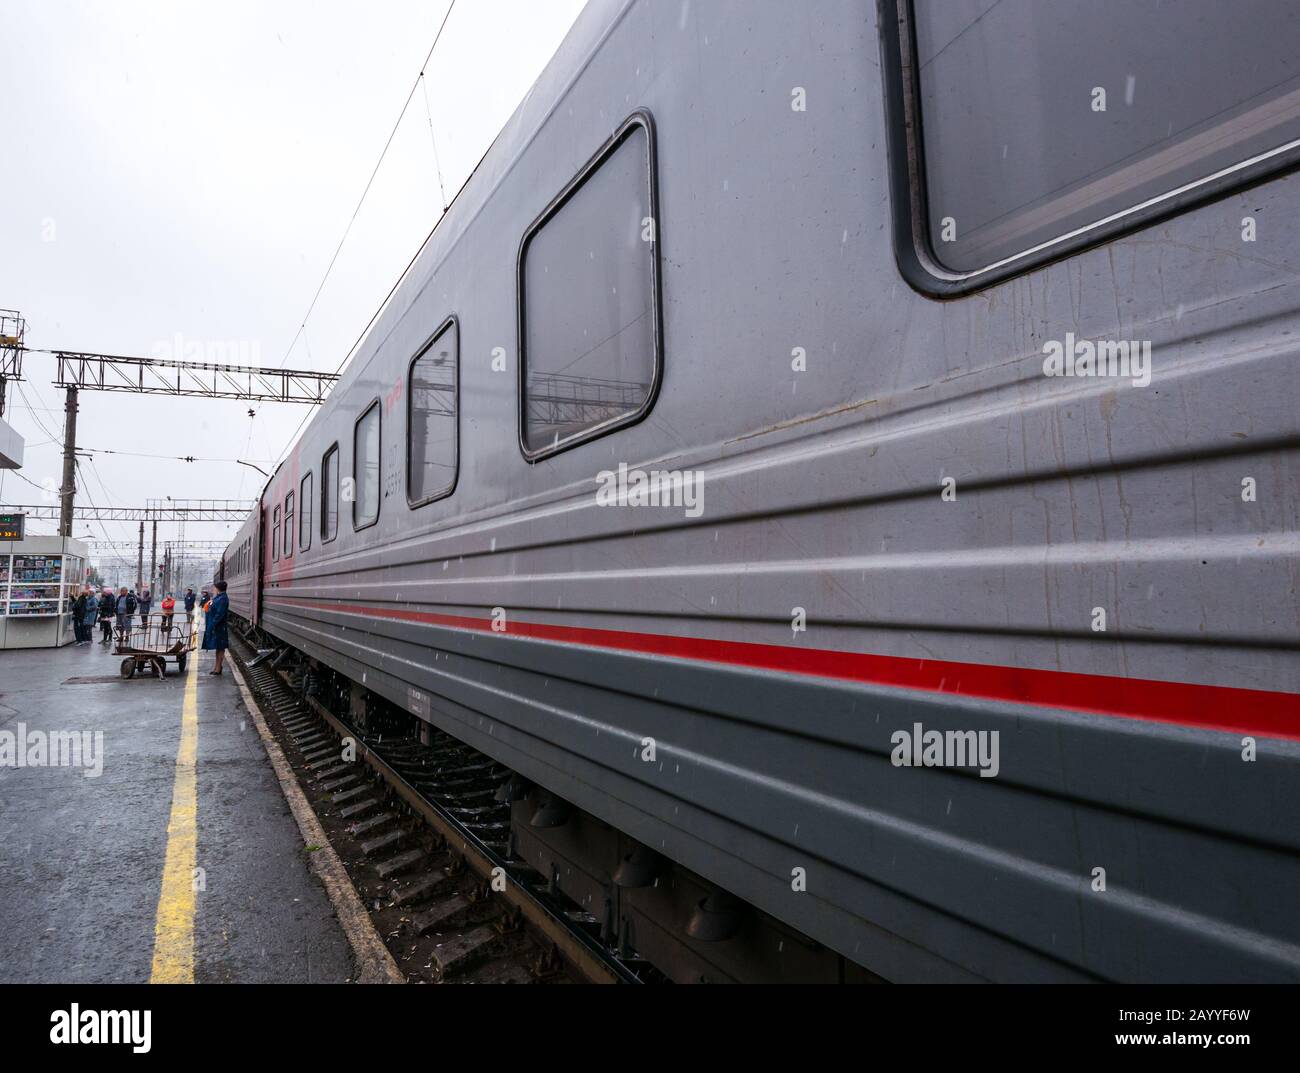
(79, 617)
(189, 606)
(215, 636)
(144, 602)
(107, 611)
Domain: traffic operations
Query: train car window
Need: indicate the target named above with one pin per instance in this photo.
(275, 535)
(432, 427)
(288, 526)
(304, 523)
(329, 495)
(365, 468)
(589, 323)
(1047, 127)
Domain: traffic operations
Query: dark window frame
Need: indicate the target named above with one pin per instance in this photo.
(325, 537)
(290, 503)
(305, 501)
(275, 534)
(452, 323)
(913, 251)
(643, 119)
(356, 482)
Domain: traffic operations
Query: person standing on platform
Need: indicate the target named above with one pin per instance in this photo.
(214, 628)
(79, 617)
(125, 609)
(189, 607)
(107, 610)
(168, 609)
(145, 601)
(89, 612)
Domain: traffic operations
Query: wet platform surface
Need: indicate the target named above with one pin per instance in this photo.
(83, 855)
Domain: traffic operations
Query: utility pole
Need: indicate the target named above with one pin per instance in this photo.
(153, 557)
(68, 491)
(139, 561)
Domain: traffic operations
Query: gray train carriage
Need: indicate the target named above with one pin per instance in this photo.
(852, 452)
(239, 570)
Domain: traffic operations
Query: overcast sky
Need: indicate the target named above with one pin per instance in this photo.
(179, 172)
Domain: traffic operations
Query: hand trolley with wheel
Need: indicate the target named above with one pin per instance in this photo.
(148, 645)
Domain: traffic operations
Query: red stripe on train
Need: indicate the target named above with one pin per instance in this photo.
(1226, 708)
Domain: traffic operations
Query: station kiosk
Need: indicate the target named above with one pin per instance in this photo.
(40, 577)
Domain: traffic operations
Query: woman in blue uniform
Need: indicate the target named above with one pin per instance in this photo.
(214, 626)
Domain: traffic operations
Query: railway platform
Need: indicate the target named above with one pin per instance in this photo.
(144, 835)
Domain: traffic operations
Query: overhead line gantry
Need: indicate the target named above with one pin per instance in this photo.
(78, 370)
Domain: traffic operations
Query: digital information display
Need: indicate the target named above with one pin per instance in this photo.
(11, 526)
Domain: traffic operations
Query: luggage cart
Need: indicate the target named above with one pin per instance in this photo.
(148, 645)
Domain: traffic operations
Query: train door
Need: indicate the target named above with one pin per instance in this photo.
(256, 596)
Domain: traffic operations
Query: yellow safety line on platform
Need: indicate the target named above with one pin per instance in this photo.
(173, 933)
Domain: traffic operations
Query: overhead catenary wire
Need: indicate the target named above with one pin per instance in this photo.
(248, 443)
(419, 78)
(437, 166)
(32, 410)
(103, 487)
(419, 82)
(85, 486)
(369, 183)
(21, 477)
(176, 458)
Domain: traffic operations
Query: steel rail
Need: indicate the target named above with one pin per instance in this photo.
(579, 949)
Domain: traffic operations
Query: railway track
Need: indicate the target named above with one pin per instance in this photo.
(422, 824)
